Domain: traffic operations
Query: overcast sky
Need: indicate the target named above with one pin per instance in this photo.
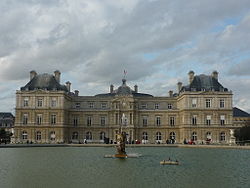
(157, 41)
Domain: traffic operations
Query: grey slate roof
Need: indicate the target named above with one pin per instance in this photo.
(124, 90)
(6, 115)
(44, 82)
(204, 83)
(240, 113)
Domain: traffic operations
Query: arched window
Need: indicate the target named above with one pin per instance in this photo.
(89, 136)
(194, 136)
(144, 136)
(102, 135)
(158, 136)
(52, 135)
(222, 136)
(24, 135)
(75, 135)
(38, 135)
(172, 135)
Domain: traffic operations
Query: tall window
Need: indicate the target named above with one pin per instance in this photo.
(74, 135)
(172, 135)
(103, 120)
(170, 106)
(194, 136)
(158, 136)
(39, 102)
(116, 118)
(222, 119)
(222, 136)
(26, 101)
(222, 103)
(25, 119)
(38, 135)
(156, 106)
(91, 105)
(209, 135)
(194, 102)
(24, 135)
(39, 119)
(208, 120)
(53, 102)
(172, 121)
(145, 120)
(89, 121)
(52, 135)
(144, 136)
(53, 119)
(130, 118)
(89, 136)
(102, 135)
(194, 120)
(208, 103)
(75, 121)
(158, 120)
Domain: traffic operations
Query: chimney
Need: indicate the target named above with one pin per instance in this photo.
(191, 76)
(57, 75)
(179, 84)
(68, 84)
(215, 75)
(136, 88)
(32, 74)
(76, 92)
(170, 93)
(111, 88)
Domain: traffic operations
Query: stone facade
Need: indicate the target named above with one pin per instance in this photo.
(48, 112)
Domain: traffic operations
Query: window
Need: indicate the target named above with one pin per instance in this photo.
(209, 136)
(91, 105)
(145, 120)
(172, 121)
(144, 136)
(104, 105)
(130, 118)
(156, 106)
(39, 102)
(194, 120)
(194, 136)
(208, 103)
(26, 102)
(103, 120)
(75, 136)
(77, 105)
(25, 119)
(170, 106)
(222, 136)
(39, 119)
(24, 135)
(52, 135)
(38, 135)
(208, 120)
(172, 135)
(102, 135)
(53, 102)
(194, 102)
(88, 136)
(75, 121)
(158, 136)
(222, 119)
(116, 118)
(158, 120)
(89, 121)
(53, 119)
(144, 106)
(222, 103)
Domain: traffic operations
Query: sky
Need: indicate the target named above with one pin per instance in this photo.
(157, 42)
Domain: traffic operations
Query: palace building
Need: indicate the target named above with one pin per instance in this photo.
(49, 112)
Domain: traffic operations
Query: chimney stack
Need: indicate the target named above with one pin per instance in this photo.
(136, 88)
(191, 76)
(170, 93)
(57, 75)
(111, 88)
(76, 92)
(179, 84)
(215, 75)
(32, 74)
(68, 84)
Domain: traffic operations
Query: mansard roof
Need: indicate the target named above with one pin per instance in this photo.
(240, 113)
(45, 82)
(124, 90)
(204, 83)
(6, 115)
